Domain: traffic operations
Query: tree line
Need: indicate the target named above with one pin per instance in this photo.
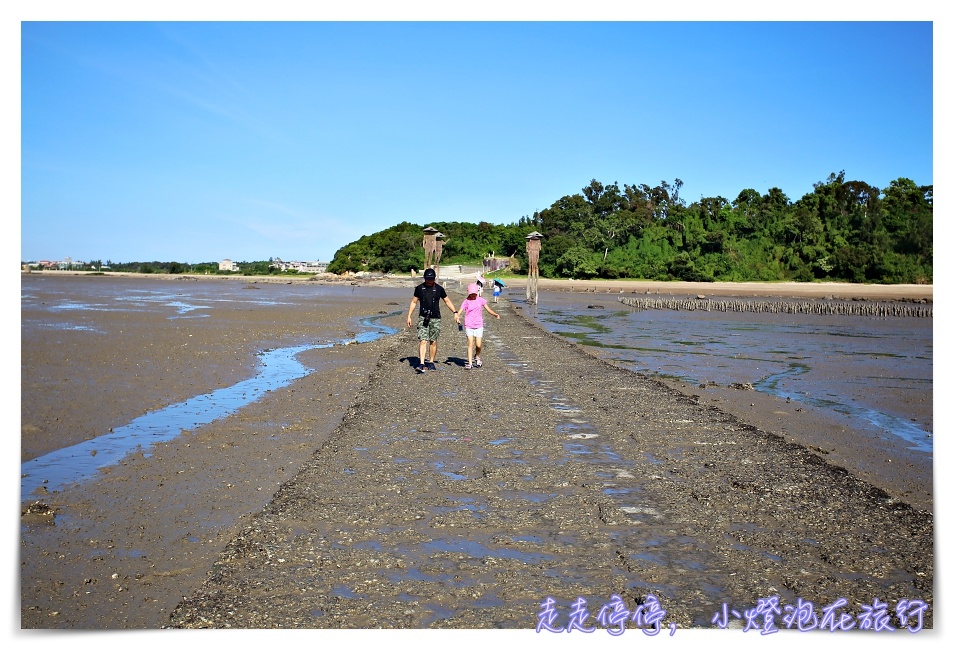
(843, 230)
(260, 267)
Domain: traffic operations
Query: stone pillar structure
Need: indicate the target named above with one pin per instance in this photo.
(533, 261)
(430, 246)
(438, 251)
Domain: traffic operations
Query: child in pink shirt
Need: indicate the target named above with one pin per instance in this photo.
(472, 311)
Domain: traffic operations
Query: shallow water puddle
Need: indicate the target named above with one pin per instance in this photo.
(454, 476)
(277, 369)
(471, 549)
(919, 439)
(786, 356)
(343, 591)
(467, 504)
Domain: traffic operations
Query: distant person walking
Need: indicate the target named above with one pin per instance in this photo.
(428, 295)
(496, 292)
(472, 311)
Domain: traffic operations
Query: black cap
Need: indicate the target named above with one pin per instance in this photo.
(429, 274)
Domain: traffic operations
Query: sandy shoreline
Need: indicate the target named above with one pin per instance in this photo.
(819, 290)
(203, 487)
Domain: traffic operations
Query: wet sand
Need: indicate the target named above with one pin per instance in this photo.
(464, 498)
(835, 290)
(129, 546)
(157, 521)
(874, 452)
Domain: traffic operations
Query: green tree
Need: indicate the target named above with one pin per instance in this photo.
(578, 262)
(843, 230)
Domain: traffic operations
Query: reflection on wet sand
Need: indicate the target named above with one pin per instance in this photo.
(871, 372)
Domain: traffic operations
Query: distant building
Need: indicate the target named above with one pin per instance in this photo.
(228, 265)
(313, 267)
(301, 267)
(493, 263)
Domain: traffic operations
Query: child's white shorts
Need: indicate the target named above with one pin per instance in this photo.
(478, 333)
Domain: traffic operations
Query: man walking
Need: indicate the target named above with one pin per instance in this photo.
(428, 295)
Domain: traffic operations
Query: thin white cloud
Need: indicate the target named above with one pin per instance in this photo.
(292, 227)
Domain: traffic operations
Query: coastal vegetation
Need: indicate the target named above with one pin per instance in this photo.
(98, 267)
(844, 230)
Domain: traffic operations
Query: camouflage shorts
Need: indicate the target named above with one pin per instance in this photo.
(431, 332)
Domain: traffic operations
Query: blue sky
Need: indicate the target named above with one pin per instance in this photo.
(190, 142)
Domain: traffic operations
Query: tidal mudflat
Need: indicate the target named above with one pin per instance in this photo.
(859, 388)
(344, 499)
(156, 414)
